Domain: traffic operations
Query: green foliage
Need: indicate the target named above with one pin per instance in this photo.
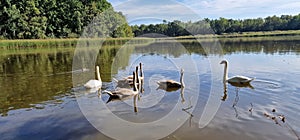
(35, 19)
(220, 26)
(108, 24)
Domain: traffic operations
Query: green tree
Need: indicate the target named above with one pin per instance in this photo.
(294, 23)
(272, 23)
(55, 18)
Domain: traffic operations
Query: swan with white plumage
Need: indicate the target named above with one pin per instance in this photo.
(94, 83)
(235, 79)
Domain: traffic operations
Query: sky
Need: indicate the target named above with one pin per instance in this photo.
(153, 11)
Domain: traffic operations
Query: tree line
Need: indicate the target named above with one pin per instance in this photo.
(220, 26)
(35, 19)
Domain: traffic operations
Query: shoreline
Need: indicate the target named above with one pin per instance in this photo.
(72, 42)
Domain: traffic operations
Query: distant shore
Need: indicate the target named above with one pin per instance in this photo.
(72, 42)
(246, 34)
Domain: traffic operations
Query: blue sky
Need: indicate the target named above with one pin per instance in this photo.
(152, 11)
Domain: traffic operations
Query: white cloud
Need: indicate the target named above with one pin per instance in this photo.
(294, 5)
(180, 9)
(156, 9)
(242, 8)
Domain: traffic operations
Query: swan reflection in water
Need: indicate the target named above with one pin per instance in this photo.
(172, 90)
(186, 110)
(175, 87)
(125, 93)
(135, 97)
(237, 86)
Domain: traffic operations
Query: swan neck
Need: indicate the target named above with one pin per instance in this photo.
(181, 80)
(98, 73)
(135, 77)
(141, 71)
(225, 78)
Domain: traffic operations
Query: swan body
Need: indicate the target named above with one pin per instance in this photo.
(123, 93)
(242, 85)
(94, 83)
(169, 88)
(166, 84)
(239, 79)
(120, 94)
(169, 84)
(235, 79)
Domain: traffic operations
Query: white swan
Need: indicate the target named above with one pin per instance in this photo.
(169, 84)
(94, 83)
(123, 93)
(234, 79)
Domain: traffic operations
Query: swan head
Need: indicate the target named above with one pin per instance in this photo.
(224, 62)
(181, 71)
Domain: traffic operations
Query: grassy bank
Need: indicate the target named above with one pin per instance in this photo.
(37, 43)
(59, 43)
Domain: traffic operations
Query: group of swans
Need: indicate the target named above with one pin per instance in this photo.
(123, 86)
(238, 81)
(135, 80)
(122, 93)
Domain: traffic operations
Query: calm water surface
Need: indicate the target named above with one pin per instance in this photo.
(39, 99)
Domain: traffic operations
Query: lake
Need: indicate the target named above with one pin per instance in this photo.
(42, 94)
